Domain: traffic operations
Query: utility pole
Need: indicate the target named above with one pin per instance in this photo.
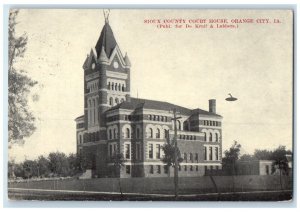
(175, 155)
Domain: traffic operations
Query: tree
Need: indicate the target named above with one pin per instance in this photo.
(43, 166)
(247, 157)
(21, 120)
(58, 164)
(169, 155)
(231, 156)
(118, 161)
(74, 164)
(262, 154)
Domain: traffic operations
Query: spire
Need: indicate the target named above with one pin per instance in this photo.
(106, 15)
(106, 39)
(103, 56)
(127, 61)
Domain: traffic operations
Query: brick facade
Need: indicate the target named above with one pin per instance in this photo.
(113, 122)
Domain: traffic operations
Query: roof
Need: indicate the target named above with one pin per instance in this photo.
(107, 40)
(158, 105)
(79, 117)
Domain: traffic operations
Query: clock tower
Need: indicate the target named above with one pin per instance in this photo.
(106, 81)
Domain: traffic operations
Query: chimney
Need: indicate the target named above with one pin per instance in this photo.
(212, 105)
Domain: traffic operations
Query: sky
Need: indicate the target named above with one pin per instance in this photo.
(184, 66)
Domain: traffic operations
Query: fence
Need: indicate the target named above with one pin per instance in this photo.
(163, 185)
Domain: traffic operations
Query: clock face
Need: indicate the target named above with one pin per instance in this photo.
(93, 66)
(116, 64)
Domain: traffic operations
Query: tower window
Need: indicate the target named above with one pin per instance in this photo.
(158, 133)
(127, 133)
(151, 133)
(127, 151)
(217, 153)
(210, 153)
(210, 136)
(111, 101)
(217, 137)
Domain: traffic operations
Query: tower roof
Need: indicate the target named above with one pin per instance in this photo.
(106, 40)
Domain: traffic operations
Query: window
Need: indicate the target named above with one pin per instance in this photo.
(80, 139)
(112, 86)
(115, 134)
(119, 87)
(126, 117)
(116, 86)
(205, 153)
(197, 169)
(158, 169)
(210, 136)
(111, 101)
(196, 157)
(267, 170)
(157, 151)
(150, 117)
(151, 133)
(210, 153)
(151, 169)
(138, 151)
(127, 169)
(110, 150)
(158, 133)
(205, 138)
(179, 168)
(217, 153)
(117, 101)
(166, 133)
(185, 157)
(108, 86)
(123, 88)
(191, 168)
(127, 133)
(191, 157)
(127, 151)
(217, 137)
(110, 134)
(150, 150)
(185, 167)
(165, 169)
(137, 132)
(178, 125)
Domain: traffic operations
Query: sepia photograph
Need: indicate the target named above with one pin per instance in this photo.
(150, 104)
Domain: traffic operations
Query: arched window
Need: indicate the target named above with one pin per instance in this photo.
(210, 136)
(127, 133)
(151, 133)
(116, 86)
(166, 133)
(158, 133)
(111, 101)
(217, 137)
(108, 86)
(205, 137)
(112, 86)
(123, 88)
(117, 101)
(178, 125)
(119, 87)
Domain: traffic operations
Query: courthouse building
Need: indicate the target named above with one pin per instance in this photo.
(114, 122)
